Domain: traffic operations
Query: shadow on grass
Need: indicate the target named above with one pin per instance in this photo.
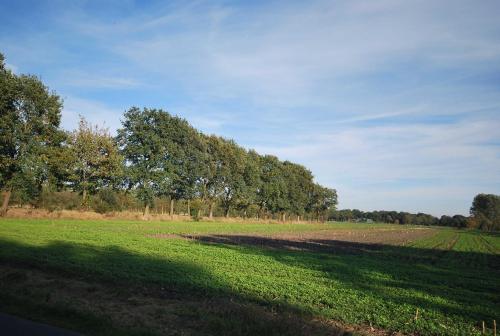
(421, 256)
(201, 304)
(459, 285)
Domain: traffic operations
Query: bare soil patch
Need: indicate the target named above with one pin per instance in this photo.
(387, 236)
(328, 241)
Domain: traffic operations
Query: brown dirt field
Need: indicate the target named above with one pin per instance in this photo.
(327, 241)
(374, 236)
(156, 309)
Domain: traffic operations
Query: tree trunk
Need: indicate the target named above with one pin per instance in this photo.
(298, 218)
(84, 198)
(227, 212)
(146, 211)
(171, 207)
(210, 210)
(5, 203)
(189, 207)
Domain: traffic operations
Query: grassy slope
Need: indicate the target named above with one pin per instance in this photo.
(452, 277)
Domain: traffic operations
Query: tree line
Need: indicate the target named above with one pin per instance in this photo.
(396, 217)
(155, 158)
(484, 215)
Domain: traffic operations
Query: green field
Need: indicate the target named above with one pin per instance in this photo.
(116, 277)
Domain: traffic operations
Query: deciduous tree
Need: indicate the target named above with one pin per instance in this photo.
(29, 127)
(97, 162)
(485, 211)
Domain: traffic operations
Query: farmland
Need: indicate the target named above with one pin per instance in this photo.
(141, 278)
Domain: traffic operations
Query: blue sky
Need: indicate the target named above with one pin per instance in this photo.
(396, 104)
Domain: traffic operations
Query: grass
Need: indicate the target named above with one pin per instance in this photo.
(451, 276)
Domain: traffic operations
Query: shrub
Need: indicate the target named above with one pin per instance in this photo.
(196, 207)
(58, 200)
(105, 201)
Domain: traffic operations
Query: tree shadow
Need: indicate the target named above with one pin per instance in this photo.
(422, 256)
(212, 307)
(460, 286)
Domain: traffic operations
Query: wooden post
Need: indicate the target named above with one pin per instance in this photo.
(484, 329)
(494, 328)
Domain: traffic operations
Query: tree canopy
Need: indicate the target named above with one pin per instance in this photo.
(94, 160)
(166, 157)
(29, 131)
(485, 212)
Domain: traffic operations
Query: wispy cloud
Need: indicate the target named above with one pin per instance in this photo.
(371, 116)
(285, 54)
(94, 111)
(96, 81)
(379, 161)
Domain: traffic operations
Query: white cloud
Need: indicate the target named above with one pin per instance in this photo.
(284, 55)
(94, 111)
(412, 167)
(371, 116)
(96, 81)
